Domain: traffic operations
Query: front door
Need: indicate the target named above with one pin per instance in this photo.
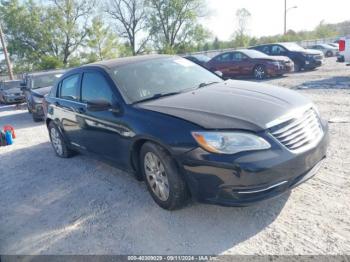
(102, 131)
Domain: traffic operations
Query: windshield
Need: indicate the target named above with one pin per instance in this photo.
(327, 46)
(255, 54)
(44, 80)
(145, 80)
(202, 58)
(11, 84)
(293, 47)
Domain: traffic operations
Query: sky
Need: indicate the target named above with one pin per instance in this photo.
(267, 16)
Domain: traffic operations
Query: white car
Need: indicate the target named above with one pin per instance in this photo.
(326, 49)
(344, 49)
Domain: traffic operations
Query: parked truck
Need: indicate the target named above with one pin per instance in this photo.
(344, 49)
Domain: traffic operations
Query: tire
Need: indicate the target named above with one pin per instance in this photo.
(164, 182)
(37, 118)
(329, 54)
(260, 72)
(58, 142)
(297, 67)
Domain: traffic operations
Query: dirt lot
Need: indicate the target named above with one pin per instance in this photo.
(82, 206)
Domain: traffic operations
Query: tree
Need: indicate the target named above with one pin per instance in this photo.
(324, 30)
(174, 22)
(131, 20)
(102, 42)
(241, 35)
(24, 25)
(70, 20)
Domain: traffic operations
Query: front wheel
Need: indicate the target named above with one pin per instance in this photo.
(164, 182)
(329, 54)
(58, 143)
(260, 72)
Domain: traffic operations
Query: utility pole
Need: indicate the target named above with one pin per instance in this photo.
(7, 58)
(285, 15)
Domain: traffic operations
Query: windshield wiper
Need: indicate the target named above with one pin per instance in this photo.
(156, 96)
(207, 84)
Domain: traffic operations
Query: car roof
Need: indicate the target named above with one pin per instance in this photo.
(9, 81)
(43, 73)
(126, 60)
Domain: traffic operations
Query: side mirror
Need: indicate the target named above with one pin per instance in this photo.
(98, 105)
(102, 105)
(219, 73)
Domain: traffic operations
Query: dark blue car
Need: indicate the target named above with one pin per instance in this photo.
(304, 59)
(185, 131)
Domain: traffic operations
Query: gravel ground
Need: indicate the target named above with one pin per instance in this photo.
(82, 206)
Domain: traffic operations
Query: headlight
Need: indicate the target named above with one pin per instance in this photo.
(229, 142)
(37, 100)
(10, 95)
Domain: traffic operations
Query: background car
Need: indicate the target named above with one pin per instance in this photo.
(336, 45)
(326, 49)
(247, 63)
(36, 86)
(10, 92)
(198, 59)
(302, 58)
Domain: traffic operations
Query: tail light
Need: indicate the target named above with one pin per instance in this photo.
(341, 45)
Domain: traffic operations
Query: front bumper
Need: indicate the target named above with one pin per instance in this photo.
(311, 64)
(14, 99)
(38, 110)
(246, 178)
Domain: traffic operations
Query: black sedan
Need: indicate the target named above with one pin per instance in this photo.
(187, 132)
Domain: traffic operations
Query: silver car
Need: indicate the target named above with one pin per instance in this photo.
(10, 92)
(326, 49)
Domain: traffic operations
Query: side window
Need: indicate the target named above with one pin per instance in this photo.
(95, 87)
(224, 57)
(238, 57)
(277, 50)
(70, 88)
(265, 49)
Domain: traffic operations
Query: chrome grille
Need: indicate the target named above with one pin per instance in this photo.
(300, 132)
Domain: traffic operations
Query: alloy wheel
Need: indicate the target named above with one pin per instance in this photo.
(259, 72)
(156, 176)
(56, 141)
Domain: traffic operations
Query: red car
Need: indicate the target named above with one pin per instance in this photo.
(247, 63)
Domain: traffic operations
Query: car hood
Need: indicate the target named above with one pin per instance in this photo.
(230, 105)
(282, 58)
(41, 91)
(313, 52)
(15, 90)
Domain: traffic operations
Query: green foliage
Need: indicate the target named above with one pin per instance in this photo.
(174, 24)
(50, 62)
(241, 34)
(102, 42)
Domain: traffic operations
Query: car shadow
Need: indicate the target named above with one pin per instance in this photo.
(336, 82)
(83, 206)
